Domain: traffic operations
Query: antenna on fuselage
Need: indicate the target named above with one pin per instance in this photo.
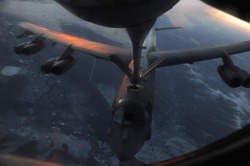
(92, 71)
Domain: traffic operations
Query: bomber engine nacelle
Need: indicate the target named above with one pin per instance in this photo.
(29, 48)
(19, 48)
(245, 76)
(46, 67)
(234, 76)
(63, 65)
(230, 76)
(57, 66)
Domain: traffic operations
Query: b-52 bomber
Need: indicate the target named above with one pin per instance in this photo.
(131, 114)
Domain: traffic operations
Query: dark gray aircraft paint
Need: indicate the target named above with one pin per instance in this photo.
(114, 13)
(136, 16)
(131, 115)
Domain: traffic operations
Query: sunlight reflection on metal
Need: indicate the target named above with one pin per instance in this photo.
(131, 65)
(229, 19)
(67, 39)
(10, 160)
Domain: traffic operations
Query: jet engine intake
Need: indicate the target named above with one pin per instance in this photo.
(29, 48)
(230, 75)
(33, 48)
(19, 48)
(62, 66)
(246, 77)
(46, 68)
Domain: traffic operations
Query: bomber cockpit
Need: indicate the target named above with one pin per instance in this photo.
(128, 114)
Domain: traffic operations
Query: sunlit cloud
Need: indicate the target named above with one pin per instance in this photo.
(184, 11)
(178, 18)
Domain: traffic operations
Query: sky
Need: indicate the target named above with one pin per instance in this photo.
(178, 15)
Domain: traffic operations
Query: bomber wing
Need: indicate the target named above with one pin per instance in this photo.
(230, 74)
(96, 49)
(175, 57)
(191, 55)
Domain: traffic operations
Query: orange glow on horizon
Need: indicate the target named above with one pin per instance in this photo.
(14, 160)
(174, 160)
(229, 19)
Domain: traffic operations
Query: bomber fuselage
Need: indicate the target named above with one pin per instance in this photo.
(131, 114)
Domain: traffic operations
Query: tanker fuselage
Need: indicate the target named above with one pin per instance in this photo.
(118, 13)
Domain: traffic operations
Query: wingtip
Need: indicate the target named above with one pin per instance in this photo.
(21, 23)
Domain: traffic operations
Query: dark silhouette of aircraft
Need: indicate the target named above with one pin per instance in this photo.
(131, 114)
(231, 150)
